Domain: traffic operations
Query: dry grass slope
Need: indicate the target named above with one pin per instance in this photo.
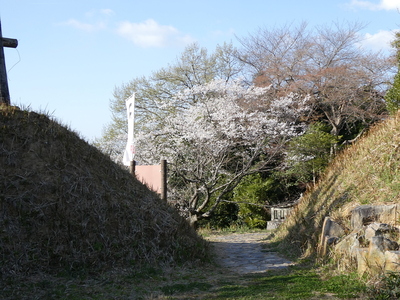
(66, 206)
(365, 173)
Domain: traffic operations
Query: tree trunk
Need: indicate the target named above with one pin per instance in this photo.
(193, 219)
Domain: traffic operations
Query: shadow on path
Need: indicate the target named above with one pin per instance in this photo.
(243, 253)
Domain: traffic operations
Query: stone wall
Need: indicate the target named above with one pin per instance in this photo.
(371, 242)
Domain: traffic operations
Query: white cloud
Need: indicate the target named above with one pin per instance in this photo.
(85, 26)
(382, 5)
(378, 41)
(151, 34)
(107, 12)
(97, 20)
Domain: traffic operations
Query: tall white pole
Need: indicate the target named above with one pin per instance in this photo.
(129, 153)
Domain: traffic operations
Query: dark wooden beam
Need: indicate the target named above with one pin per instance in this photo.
(10, 43)
(4, 92)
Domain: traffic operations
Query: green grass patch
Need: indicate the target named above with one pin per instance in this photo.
(206, 231)
(185, 287)
(206, 282)
(294, 285)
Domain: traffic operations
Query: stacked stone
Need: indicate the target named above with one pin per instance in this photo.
(371, 242)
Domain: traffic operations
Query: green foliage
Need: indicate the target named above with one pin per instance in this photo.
(389, 289)
(225, 215)
(252, 194)
(392, 96)
(309, 154)
(396, 45)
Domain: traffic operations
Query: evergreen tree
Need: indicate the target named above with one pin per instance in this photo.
(309, 154)
(392, 96)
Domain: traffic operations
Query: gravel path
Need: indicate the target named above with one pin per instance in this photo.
(243, 253)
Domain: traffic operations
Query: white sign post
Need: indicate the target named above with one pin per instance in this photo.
(129, 153)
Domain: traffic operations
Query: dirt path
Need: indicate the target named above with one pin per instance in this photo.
(243, 253)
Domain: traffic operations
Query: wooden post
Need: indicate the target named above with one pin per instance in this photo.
(132, 167)
(4, 92)
(164, 180)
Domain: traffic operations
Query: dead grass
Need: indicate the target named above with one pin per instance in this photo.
(365, 173)
(66, 207)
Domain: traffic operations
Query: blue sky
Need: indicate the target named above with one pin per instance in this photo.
(72, 54)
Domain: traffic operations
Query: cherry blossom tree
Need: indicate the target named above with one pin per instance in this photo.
(195, 66)
(227, 132)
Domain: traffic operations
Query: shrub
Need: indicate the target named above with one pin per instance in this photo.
(253, 195)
